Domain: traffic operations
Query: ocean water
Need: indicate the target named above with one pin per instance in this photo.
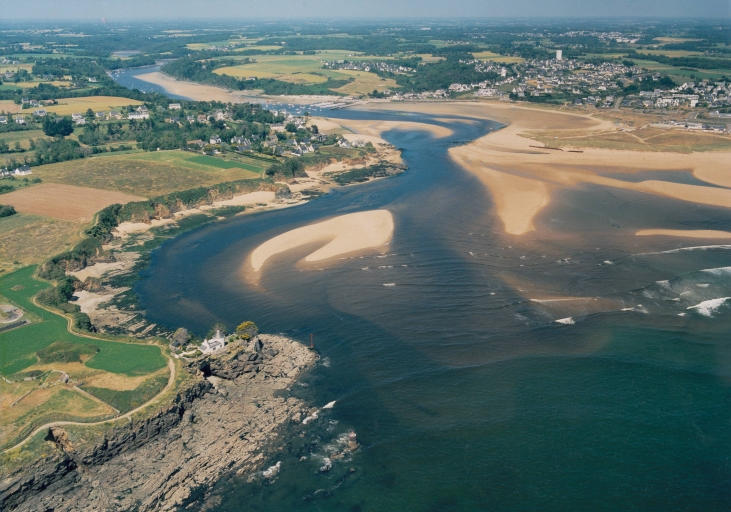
(464, 393)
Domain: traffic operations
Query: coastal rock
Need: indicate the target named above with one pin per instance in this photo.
(169, 459)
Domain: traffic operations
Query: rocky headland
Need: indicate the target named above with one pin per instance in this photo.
(221, 422)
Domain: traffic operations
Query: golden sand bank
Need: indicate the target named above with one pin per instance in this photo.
(339, 236)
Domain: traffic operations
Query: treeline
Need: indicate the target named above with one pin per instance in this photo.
(47, 91)
(690, 61)
(290, 168)
(649, 84)
(68, 66)
(59, 150)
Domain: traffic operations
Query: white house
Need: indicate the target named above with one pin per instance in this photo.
(213, 344)
(174, 106)
(139, 113)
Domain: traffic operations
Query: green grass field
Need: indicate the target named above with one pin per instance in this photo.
(23, 137)
(150, 174)
(307, 69)
(129, 399)
(249, 164)
(18, 347)
(680, 73)
(496, 57)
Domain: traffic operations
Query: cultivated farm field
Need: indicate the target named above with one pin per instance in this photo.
(104, 377)
(68, 106)
(150, 174)
(65, 202)
(31, 239)
(496, 57)
(307, 69)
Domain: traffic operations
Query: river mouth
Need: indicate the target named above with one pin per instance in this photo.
(445, 357)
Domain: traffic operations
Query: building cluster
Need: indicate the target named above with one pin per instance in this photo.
(607, 37)
(374, 66)
(22, 170)
(704, 93)
(584, 81)
(17, 119)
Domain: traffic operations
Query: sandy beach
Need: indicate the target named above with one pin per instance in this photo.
(339, 236)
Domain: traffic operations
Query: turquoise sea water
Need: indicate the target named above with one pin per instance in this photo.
(465, 394)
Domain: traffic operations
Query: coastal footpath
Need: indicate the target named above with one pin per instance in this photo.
(220, 422)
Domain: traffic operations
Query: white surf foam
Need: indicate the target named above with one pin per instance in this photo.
(569, 320)
(389, 285)
(272, 471)
(692, 248)
(329, 405)
(717, 271)
(710, 306)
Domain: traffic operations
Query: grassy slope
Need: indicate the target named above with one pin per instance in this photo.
(18, 346)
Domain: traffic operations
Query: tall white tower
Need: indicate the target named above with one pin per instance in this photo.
(559, 54)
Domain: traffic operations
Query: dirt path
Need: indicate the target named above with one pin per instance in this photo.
(171, 382)
(69, 327)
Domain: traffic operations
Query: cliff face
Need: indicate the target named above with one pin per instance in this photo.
(219, 423)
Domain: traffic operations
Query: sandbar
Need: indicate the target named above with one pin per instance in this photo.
(685, 233)
(342, 235)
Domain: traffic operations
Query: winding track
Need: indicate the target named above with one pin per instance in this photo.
(171, 381)
(169, 385)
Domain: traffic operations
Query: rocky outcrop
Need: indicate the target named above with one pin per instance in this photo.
(220, 423)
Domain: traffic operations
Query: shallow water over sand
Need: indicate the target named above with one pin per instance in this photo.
(444, 356)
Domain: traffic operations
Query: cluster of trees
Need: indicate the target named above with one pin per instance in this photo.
(7, 210)
(440, 75)
(5, 147)
(290, 168)
(58, 126)
(649, 84)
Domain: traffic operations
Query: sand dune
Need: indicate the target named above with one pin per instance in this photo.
(339, 236)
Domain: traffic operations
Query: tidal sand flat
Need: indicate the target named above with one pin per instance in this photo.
(192, 90)
(340, 236)
(523, 176)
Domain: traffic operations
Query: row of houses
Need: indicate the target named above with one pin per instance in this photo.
(23, 170)
(17, 119)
